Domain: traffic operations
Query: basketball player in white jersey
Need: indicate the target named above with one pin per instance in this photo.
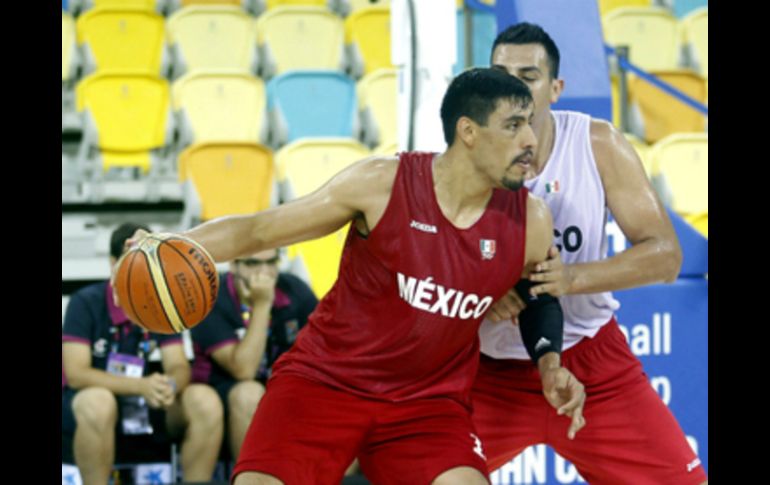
(583, 168)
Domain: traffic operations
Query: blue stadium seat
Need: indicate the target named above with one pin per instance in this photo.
(684, 7)
(484, 25)
(312, 104)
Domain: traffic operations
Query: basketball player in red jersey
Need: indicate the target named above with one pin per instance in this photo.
(384, 367)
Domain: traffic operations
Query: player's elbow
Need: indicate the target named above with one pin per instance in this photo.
(673, 260)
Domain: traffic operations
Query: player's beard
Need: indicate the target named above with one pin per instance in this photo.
(512, 184)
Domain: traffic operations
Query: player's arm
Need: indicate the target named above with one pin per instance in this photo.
(542, 322)
(655, 255)
(359, 191)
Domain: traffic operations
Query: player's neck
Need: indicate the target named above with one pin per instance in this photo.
(545, 131)
(461, 192)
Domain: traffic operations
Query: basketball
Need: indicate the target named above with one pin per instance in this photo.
(166, 283)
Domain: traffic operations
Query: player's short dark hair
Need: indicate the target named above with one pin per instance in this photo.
(475, 94)
(526, 33)
(121, 234)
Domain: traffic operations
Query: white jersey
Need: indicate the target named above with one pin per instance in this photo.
(571, 186)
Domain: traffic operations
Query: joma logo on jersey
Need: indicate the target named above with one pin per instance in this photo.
(427, 296)
(420, 226)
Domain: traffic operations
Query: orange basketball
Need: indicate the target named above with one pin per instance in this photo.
(166, 283)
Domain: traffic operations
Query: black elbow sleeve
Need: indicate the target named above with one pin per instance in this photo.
(541, 323)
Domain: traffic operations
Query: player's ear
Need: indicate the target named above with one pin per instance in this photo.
(466, 131)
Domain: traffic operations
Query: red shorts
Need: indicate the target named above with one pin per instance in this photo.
(630, 435)
(306, 432)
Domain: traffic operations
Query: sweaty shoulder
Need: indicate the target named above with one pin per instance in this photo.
(538, 214)
(368, 182)
(614, 155)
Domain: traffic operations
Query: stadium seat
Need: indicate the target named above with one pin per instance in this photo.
(129, 116)
(68, 51)
(228, 178)
(662, 114)
(377, 100)
(484, 28)
(682, 8)
(187, 3)
(280, 3)
(681, 161)
(123, 39)
(221, 105)
(303, 167)
(69, 71)
(606, 6)
(213, 37)
(349, 6)
(331, 96)
(367, 36)
(386, 149)
(300, 37)
(650, 33)
(695, 29)
(148, 5)
(251, 6)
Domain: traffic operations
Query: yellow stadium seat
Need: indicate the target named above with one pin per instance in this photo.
(300, 37)
(321, 157)
(130, 112)
(305, 165)
(69, 68)
(696, 36)
(681, 160)
(221, 106)
(213, 37)
(650, 33)
(367, 35)
(616, 101)
(281, 3)
(122, 39)
(68, 54)
(643, 150)
(662, 114)
(377, 100)
(386, 149)
(149, 5)
(353, 5)
(229, 178)
(606, 6)
(186, 3)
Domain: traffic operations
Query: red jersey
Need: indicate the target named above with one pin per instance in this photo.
(401, 321)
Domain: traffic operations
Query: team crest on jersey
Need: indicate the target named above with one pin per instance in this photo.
(488, 248)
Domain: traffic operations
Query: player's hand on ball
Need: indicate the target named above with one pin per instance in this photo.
(135, 239)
